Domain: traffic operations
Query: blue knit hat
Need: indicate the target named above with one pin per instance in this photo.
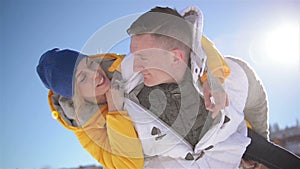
(56, 68)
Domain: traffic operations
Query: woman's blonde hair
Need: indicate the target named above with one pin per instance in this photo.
(78, 101)
(81, 105)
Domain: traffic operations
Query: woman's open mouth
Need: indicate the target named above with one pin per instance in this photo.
(101, 82)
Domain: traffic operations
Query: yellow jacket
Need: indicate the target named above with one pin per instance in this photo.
(215, 61)
(109, 137)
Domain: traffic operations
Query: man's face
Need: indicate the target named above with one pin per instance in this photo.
(154, 63)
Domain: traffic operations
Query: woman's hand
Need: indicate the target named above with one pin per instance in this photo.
(115, 95)
(115, 100)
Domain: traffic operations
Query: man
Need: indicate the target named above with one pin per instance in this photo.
(161, 44)
(180, 132)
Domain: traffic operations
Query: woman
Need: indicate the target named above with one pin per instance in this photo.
(101, 126)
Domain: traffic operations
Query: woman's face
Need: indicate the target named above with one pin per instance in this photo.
(91, 80)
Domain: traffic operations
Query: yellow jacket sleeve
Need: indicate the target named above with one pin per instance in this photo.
(109, 137)
(124, 141)
(115, 143)
(215, 61)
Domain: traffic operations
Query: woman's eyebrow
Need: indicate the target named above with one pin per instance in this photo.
(89, 62)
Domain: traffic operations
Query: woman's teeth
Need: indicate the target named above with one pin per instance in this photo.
(101, 81)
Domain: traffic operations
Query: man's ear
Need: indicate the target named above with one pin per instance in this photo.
(178, 56)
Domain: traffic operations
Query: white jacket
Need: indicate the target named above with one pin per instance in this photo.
(223, 144)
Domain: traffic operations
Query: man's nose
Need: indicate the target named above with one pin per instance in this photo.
(137, 65)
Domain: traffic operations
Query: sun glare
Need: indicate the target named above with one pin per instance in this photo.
(282, 44)
(277, 46)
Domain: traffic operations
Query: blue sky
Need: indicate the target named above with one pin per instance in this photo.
(30, 138)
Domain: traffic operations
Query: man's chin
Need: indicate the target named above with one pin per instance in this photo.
(151, 84)
(148, 84)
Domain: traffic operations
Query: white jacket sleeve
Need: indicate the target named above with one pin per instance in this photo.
(256, 109)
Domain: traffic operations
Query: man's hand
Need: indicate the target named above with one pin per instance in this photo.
(249, 164)
(214, 100)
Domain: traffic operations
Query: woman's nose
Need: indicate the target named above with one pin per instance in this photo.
(96, 76)
(93, 75)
